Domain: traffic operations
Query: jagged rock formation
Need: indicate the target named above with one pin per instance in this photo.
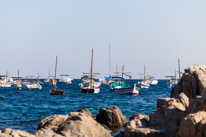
(111, 117)
(192, 83)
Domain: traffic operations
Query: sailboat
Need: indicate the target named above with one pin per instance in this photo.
(89, 86)
(56, 91)
(145, 83)
(118, 81)
(127, 89)
(17, 83)
(49, 80)
(5, 80)
(172, 82)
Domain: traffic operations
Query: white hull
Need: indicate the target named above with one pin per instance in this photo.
(31, 86)
(143, 84)
(154, 82)
(5, 85)
(66, 80)
(127, 90)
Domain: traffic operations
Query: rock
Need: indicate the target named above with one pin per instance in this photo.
(193, 124)
(183, 99)
(86, 111)
(138, 120)
(46, 132)
(192, 83)
(151, 132)
(52, 121)
(111, 117)
(167, 116)
(82, 125)
(8, 132)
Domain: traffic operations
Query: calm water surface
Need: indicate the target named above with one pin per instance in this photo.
(24, 109)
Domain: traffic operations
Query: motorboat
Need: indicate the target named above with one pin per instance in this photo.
(55, 91)
(31, 84)
(89, 85)
(65, 79)
(153, 80)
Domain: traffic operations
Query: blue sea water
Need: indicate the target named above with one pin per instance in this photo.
(23, 109)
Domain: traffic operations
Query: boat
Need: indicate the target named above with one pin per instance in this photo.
(31, 84)
(118, 82)
(127, 89)
(152, 79)
(65, 79)
(17, 83)
(48, 81)
(88, 85)
(173, 81)
(145, 83)
(5, 80)
(55, 91)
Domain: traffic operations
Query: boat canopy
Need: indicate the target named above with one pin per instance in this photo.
(64, 75)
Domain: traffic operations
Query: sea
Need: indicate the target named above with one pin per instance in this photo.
(23, 109)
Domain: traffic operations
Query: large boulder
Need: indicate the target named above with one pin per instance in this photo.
(86, 111)
(8, 132)
(82, 125)
(111, 117)
(52, 121)
(151, 132)
(170, 111)
(46, 132)
(192, 83)
(193, 125)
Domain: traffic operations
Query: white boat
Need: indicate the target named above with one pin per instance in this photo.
(17, 83)
(152, 80)
(89, 85)
(6, 81)
(31, 84)
(48, 81)
(145, 83)
(65, 79)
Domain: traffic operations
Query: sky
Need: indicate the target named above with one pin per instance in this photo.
(156, 33)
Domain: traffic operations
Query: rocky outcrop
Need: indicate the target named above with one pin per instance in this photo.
(193, 125)
(151, 132)
(111, 117)
(8, 132)
(52, 121)
(192, 83)
(82, 125)
(86, 111)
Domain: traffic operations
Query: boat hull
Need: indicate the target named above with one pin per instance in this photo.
(57, 92)
(154, 82)
(128, 90)
(31, 86)
(90, 90)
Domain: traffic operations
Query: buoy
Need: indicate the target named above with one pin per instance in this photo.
(18, 88)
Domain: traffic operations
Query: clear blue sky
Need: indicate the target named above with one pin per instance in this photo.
(155, 33)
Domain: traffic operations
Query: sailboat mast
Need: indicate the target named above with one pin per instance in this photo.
(179, 68)
(109, 62)
(117, 70)
(122, 74)
(91, 69)
(55, 74)
(144, 72)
